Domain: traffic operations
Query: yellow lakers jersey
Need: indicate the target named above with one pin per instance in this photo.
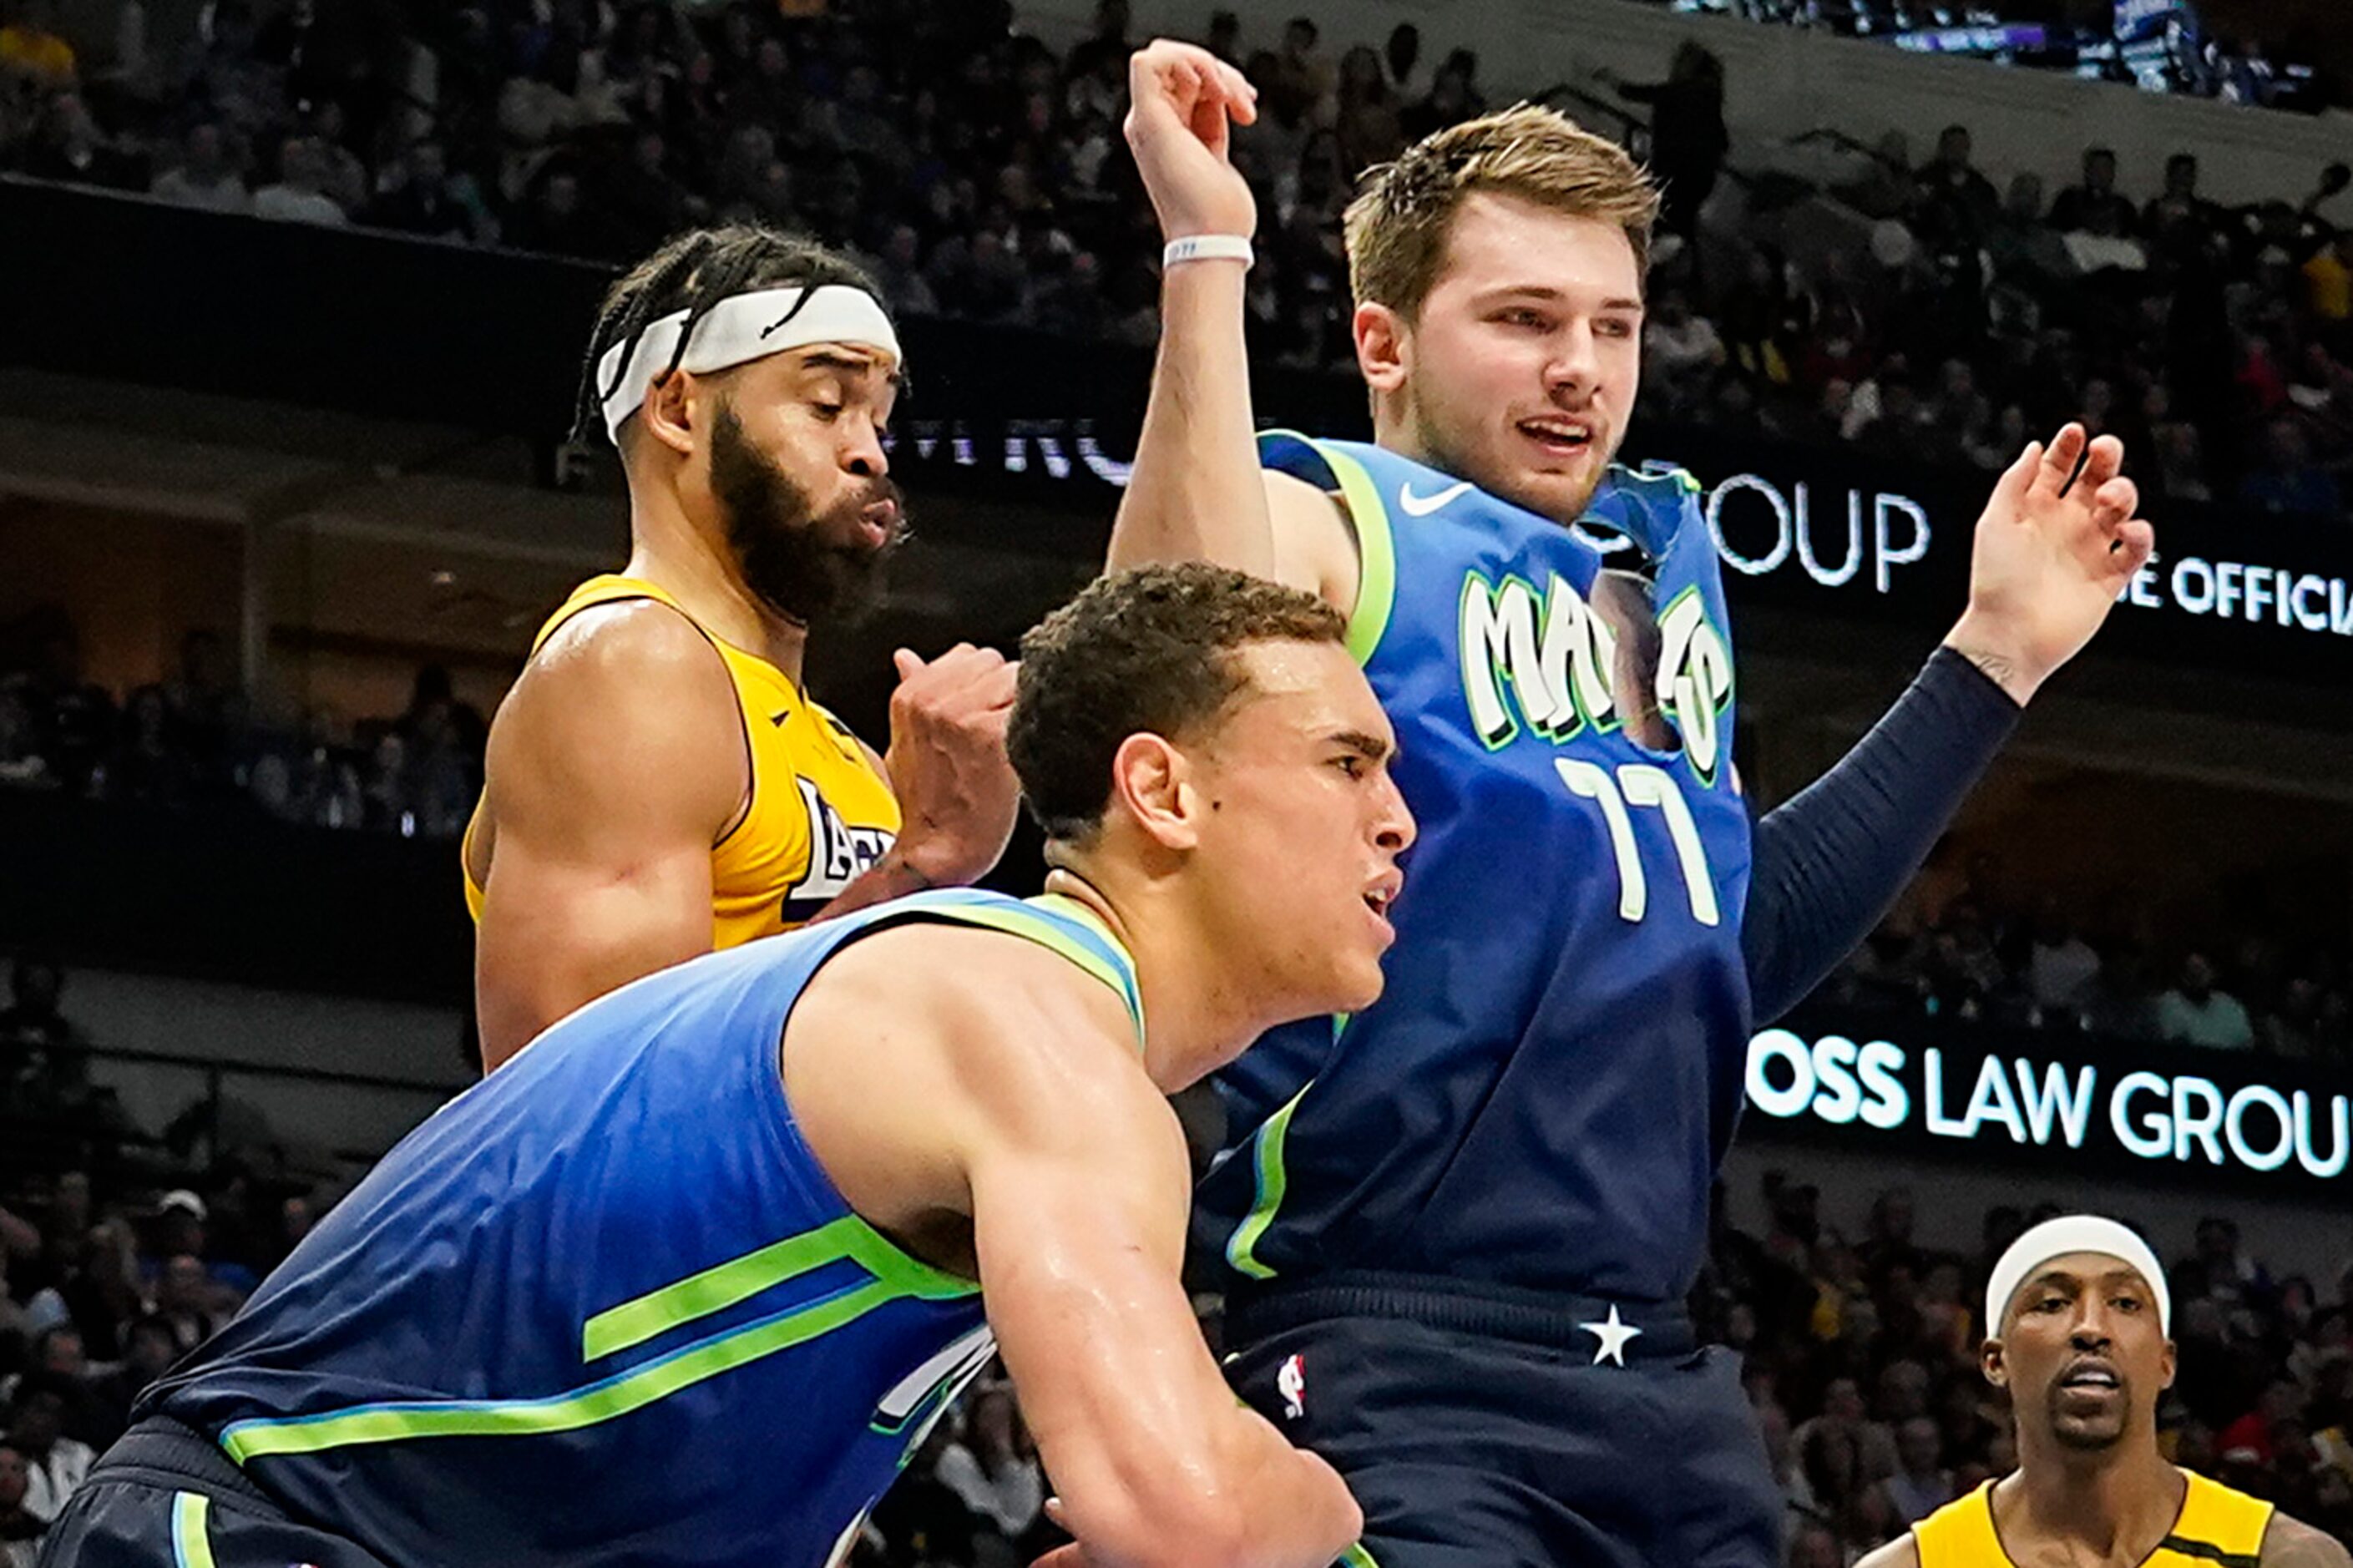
(2217, 1526)
(818, 812)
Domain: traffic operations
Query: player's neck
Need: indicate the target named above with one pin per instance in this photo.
(2097, 1508)
(1393, 431)
(697, 571)
(1194, 1014)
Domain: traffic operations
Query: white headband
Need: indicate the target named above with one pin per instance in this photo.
(2057, 1238)
(738, 329)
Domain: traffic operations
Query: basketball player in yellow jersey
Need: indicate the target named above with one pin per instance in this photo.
(2080, 1322)
(659, 784)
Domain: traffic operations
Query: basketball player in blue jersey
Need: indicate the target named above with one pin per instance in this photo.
(1458, 1228)
(664, 1291)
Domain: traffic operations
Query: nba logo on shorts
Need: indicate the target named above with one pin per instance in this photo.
(1290, 1382)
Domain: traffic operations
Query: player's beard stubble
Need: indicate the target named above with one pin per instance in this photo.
(807, 566)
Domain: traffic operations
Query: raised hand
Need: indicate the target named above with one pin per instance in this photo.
(2053, 549)
(1183, 104)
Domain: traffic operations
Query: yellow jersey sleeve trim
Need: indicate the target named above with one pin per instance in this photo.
(1961, 1534)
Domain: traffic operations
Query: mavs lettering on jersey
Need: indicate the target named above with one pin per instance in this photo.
(606, 1308)
(839, 855)
(1539, 1098)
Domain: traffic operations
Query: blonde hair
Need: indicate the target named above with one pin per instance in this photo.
(1396, 226)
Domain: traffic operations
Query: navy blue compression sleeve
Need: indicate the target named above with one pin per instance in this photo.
(1830, 860)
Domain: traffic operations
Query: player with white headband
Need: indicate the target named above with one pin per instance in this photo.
(659, 783)
(2079, 1329)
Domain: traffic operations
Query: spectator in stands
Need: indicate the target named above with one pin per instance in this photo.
(148, 763)
(55, 1465)
(2178, 220)
(1306, 74)
(1402, 57)
(32, 52)
(2061, 965)
(22, 766)
(1957, 203)
(2258, 1437)
(994, 1468)
(556, 222)
(69, 146)
(205, 176)
(20, 1532)
(421, 196)
(1688, 139)
(95, 1285)
(150, 1347)
(184, 1300)
(2329, 280)
(299, 195)
(2289, 484)
(72, 717)
(1367, 117)
(1680, 354)
(1108, 42)
(1921, 1484)
(35, 1040)
(2095, 204)
(58, 1351)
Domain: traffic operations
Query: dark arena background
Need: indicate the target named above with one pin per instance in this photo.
(292, 300)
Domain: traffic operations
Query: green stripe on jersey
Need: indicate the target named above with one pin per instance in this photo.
(191, 1545)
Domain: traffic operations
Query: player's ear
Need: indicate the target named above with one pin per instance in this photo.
(1994, 1362)
(1381, 334)
(1157, 785)
(673, 406)
(2168, 1362)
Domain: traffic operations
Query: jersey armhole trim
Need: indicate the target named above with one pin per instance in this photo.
(1368, 617)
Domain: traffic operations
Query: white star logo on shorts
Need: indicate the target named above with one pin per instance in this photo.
(1613, 1336)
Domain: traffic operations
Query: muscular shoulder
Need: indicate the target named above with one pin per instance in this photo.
(626, 700)
(1901, 1552)
(2292, 1543)
(922, 1053)
(628, 650)
(1012, 1029)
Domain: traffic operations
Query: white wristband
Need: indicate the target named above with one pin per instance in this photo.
(1209, 248)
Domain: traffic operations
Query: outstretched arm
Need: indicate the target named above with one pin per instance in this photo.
(1196, 492)
(2052, 551)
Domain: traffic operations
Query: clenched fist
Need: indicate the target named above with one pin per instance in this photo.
(1183, 104)
(956, 791)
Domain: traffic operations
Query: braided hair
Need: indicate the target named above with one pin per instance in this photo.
(692, 272)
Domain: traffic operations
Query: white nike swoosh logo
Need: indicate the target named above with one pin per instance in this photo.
(1422, 506)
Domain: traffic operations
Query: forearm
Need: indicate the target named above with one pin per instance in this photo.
(1274, 1507)
(1829, 861)
(1195, 493)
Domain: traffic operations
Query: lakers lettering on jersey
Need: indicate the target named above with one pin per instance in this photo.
(817, 814)
(2219, 1528)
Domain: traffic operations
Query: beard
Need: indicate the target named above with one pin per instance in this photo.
(1440, 451)
(807, 566)
(2092, 1434)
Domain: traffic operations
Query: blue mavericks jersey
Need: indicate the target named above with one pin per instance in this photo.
(605, 1308)
(1540, 1097)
